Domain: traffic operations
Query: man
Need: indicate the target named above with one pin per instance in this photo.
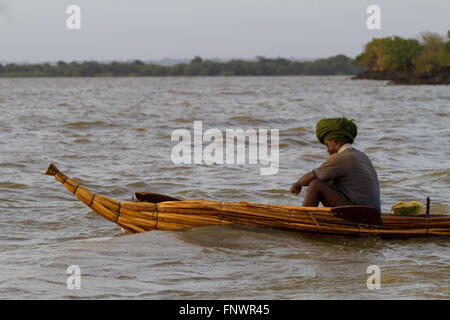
(347, 177)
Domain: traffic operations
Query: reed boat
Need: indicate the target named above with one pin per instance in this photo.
(160, 212)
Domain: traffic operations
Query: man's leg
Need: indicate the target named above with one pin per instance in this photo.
(320, 191)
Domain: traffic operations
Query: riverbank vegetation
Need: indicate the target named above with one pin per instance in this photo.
(430, 53)
(336, 65)
(407, 61)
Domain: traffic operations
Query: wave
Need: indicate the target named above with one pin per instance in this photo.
(287, 142)
(12, 165)
(251, 120)
(234, 93)
(437, 176)
(84, 124)
(12, 185)
(81, 140)
(295, 131)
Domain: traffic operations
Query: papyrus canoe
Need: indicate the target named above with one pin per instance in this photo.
(173, 215)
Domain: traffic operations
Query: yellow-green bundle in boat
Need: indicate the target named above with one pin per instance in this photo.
(407, 209)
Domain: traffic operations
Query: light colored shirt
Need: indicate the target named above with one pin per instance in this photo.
(345, 147)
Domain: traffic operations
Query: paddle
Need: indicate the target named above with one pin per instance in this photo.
(358, 214)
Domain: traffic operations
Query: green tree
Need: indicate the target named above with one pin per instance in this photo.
(435, 53)
(197, 59)
(391, 54)
(177, 70)
(400, 54)
(373, 56)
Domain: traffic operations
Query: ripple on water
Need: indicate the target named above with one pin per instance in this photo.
(87, 124)
(116, 139)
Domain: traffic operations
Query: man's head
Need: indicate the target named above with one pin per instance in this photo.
(333, 145)
(335, 132)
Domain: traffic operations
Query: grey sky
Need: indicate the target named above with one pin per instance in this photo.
(35, 31)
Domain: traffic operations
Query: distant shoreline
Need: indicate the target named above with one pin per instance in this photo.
(336, 65)
(349, 76)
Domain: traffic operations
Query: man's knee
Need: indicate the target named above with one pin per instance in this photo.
(315, 183)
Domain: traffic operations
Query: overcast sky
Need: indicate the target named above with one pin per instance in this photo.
(36, 31)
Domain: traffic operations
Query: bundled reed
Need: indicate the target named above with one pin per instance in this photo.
(174, 215)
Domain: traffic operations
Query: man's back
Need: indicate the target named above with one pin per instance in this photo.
(354, 175)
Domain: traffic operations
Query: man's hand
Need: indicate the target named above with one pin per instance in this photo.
(296, 188)
(303, 181)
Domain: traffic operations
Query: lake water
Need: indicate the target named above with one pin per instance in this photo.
(114, 136)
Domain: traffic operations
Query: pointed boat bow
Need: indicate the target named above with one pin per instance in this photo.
(122, 213)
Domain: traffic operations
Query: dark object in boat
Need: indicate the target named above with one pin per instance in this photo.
(153, 197)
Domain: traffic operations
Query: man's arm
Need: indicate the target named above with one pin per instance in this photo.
(328, 171)
(303, 181)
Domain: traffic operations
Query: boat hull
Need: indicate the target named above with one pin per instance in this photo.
(176, 215)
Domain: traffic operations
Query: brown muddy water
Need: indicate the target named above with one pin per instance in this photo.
(114, 135)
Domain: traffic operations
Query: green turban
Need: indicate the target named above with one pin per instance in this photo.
(336, 128)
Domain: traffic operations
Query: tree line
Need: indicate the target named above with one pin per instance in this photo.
(429, 53)
(261, 66)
